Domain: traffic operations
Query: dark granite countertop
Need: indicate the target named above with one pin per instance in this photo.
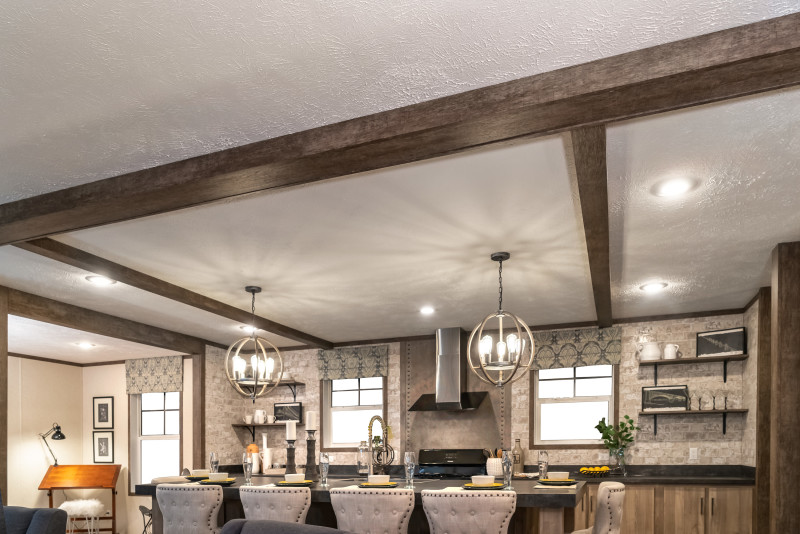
(689, 475)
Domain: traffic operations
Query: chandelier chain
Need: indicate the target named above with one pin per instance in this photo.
(253, 311)
(500, 291)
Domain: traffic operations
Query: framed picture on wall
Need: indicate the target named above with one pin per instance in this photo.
(288, 411)
(103, 412)
(103, 447)
(730, 342)
(659, 398)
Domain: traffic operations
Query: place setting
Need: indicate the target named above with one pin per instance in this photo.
(556, 479)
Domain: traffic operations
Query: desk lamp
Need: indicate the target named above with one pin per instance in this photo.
(57, 434)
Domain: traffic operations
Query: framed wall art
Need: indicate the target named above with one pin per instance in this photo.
(103, 413)
(103, 447)
(661, 398)
(730, 342)
(288, 411)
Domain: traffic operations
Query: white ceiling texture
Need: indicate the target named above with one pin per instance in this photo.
(95, 89)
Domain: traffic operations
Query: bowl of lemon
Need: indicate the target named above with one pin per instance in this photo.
(600, 471)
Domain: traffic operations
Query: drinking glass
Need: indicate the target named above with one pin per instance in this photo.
(214, 463)
(544, 460)
(247, 466)
(324, 464)
(411, 463)
(508, 469)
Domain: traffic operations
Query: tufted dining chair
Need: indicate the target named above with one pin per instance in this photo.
(372, 511)
(608, 519)
(469, 512)
(289, 505)
(189, 509)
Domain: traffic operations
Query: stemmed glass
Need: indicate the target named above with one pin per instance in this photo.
(508, 468)
(411, 463)
(214, 462)
(247, 466)
(324, 464)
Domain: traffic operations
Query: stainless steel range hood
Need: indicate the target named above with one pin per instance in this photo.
(451, 376)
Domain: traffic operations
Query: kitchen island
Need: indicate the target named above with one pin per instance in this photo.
(545, 507)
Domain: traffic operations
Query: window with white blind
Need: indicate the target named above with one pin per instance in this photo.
(347, 406)
(155, 431)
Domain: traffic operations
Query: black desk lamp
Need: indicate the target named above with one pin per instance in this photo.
(57, 434)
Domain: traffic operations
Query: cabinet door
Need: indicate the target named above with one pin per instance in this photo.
(638, 512)
(730, 510)
(684, 509)
(581, 512)
(591, 501)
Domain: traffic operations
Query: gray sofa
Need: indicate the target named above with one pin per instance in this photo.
(261, 526)
(18, 520)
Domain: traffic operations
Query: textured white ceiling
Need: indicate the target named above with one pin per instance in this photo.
(91, 89)
(713, 245)
(357, 257)
(35, 338)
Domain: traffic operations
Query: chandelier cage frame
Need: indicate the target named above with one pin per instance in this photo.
(249, 378)
(522, 347)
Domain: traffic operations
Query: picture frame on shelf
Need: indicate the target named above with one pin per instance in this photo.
(728, 342)
(665, 398)
(103, 447)
(103, 413)
(288, 411)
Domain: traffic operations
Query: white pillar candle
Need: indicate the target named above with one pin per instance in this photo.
(291, 430)
(311, 420)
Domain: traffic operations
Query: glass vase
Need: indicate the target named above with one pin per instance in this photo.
(616, 461)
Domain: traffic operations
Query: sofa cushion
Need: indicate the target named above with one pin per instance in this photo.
(21, 520)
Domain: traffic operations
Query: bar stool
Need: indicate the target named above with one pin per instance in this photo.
(608, 519)
(85, 512)
(189, 509)
(469, 512)
(289, 505)
(372, 511)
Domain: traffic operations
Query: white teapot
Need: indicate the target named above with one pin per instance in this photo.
(649, 351)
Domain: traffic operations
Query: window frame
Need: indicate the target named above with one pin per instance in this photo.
(325, 393)
(532, 445)
(135, 438)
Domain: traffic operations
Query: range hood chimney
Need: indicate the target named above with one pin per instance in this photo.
(451, 376)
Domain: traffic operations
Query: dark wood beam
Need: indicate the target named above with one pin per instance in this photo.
(4, 392)
(731, 63)
(588, 149)
(199, 410)
(89, 262)
(54, 312)
(763, 387)
(784, 469)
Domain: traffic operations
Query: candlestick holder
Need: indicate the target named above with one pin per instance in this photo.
(290, 465)
(312, 471)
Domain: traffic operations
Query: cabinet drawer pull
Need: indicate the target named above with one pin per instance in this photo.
(701, 506)
(712, 505)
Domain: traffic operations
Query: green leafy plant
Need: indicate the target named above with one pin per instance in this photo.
(617, 436)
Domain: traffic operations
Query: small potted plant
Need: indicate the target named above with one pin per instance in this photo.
(616, 438)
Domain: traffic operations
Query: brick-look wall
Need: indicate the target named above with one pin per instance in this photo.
(223, 407)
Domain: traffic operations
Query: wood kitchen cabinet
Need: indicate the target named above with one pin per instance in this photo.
(707, 510)
(638, 512)
(684, 509)
(730, 510)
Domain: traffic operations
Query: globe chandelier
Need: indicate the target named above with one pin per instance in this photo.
(509, 358)
(253, 365)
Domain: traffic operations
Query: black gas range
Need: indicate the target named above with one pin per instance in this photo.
(451, 463)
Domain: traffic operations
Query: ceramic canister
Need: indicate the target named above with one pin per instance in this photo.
(494, 467)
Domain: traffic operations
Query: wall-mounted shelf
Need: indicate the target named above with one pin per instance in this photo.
(252, 426)
(656, 413)
(686, 361)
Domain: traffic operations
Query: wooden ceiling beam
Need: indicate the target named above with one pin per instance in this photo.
(588, 150)
(60, 252)
(727, 64)
(54, 312)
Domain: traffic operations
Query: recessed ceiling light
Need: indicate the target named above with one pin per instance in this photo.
(427, 310)
(99, 280)
(85, 345)
(653, 287)
(249, 329)
(673, 187)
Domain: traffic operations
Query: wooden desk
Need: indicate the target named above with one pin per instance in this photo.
(64, 477)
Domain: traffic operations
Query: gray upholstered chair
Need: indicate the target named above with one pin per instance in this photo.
(189, 509)
(275, 504)
(469, 512)
(373, 511)
(608, 518)
(261, 526)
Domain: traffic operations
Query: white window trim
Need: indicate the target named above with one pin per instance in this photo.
(537, 436)
(135, 438)
(327, 409)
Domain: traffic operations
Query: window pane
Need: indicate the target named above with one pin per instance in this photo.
(371, 397)
(372, 382)
(548, 374)
(152, 401)
(570, 421)
(344, 398)
(350, 427)
(173, 401)
(592, 387)
(346, 383)
(556, 389)
(593, 370)
(173, 423)
(152, 423)
(160, 457)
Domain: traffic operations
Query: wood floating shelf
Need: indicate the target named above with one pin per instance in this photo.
(724, 413)
(701, 359)
(252, 426)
